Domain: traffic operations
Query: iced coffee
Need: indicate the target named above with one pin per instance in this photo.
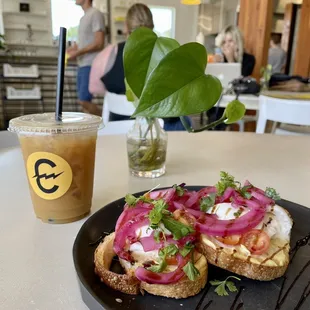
(59, 161)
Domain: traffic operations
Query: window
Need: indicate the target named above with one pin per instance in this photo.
(164, 21)
(65, 13)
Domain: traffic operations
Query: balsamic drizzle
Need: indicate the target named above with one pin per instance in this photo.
(202, 297)
(239, 306)
(102, 236)
(280, 303)
(242, 288)
(281, 290)
(207, 305)
(299, 244)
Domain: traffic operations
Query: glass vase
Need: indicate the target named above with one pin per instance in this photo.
(147, 148)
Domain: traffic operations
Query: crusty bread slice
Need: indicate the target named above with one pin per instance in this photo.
(247, 267)
(126, 283)
(129, 284)
(265, 267)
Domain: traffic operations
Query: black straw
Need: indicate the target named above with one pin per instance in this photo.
(60, 72)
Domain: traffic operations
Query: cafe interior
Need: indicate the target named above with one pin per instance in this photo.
(112, 110)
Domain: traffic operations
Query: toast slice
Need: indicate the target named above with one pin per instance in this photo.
(129, 284)
(270, 265)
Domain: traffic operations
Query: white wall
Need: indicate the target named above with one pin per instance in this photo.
(186, 18)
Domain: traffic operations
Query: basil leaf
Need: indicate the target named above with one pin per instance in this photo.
(142, 53)
(191, 271)
(178, 230)
(187, 249)
(178, 80)
(207, 202)
(234, 111)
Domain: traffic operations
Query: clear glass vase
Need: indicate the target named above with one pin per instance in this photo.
(147, 148)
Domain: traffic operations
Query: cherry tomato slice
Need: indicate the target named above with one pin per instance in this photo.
(230, 240)
(256, 241)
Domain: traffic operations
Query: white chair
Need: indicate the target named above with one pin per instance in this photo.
(116, 128)
(295, 112)
(8, 139)
(117, 104)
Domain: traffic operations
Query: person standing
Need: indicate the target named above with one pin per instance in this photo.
(90, 43)
(276, 55)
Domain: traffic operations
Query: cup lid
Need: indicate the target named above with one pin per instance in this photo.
(46, 123)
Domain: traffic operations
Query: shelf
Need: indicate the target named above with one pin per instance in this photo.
(39, 14)
(24, 28)
(18, 43)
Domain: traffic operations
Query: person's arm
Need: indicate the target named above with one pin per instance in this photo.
(97, 45)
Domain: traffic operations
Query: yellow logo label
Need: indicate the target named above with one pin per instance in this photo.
(50, 175)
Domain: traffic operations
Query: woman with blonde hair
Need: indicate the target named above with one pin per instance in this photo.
(107, 72)
(231, 42)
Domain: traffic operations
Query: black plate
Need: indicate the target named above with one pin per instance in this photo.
(252, 294)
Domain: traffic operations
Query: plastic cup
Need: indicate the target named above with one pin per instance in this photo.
(59, 160)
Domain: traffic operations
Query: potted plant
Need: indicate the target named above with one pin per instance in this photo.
(165, 79)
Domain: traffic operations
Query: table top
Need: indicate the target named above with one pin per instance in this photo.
(36, 264)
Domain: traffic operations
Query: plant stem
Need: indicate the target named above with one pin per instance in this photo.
(209, 126)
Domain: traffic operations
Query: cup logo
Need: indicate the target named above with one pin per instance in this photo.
(50, 176)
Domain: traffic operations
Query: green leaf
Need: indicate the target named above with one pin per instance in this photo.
(170, 250)
(226, 181)
(272, 193)
(178, 230)
(234, 111)
(187, 249)
(157, 235)
(231, 286)
(160, 267)
(221, 290)
(221, 286)
(178, 86)
(162, 47)
(156, 214)
(191, 271)
(131, 200)
(142, 52)
(129, 93)
(207, 202)
(244, 193)
(179, 190)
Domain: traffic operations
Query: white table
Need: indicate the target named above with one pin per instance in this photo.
(36, 266)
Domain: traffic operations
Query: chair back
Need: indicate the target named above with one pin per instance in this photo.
(117, 104)
(295, 112)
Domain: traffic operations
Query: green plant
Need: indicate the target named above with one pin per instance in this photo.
(166, 79)
(266, 73)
